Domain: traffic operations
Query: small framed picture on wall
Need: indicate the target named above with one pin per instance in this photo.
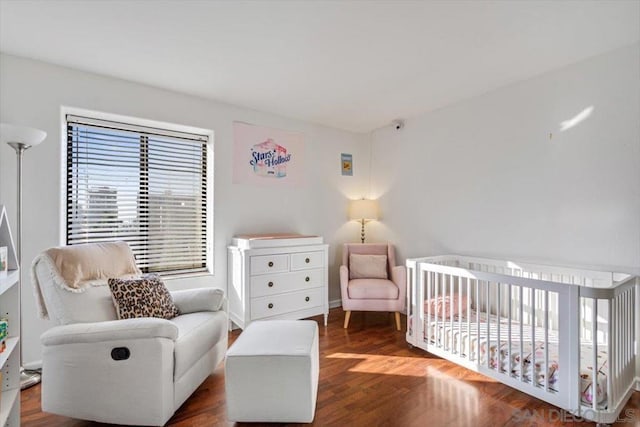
(347, 164)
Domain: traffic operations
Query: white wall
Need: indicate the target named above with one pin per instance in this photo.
(32, 94)
(483, 177)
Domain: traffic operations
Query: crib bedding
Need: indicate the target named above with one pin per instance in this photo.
(527, 362)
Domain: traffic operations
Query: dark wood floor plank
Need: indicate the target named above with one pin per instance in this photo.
(370, 377)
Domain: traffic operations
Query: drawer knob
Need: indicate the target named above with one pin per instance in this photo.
(307, 260)
(270, 305)
(270, 284)
(307, 299)
(306, 279)
(270, 263)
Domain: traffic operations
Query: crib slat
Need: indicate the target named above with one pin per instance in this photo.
(617, 359)
(487, 312)
(444, 314)
(631, 318)
(451, 334)
(594, 354)
(429, 336)
(625, 330)
(521, 332)
(534, 379)
(621, 337)
(460, 316)
(437, 314)
(477, 282)
(468, 318)
(631, 331)
(625, 340)
(614, 330)
(510, 367)
(583, 319)
(546, 340)
(499, 344)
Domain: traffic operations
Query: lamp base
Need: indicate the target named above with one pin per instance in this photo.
(29, 378)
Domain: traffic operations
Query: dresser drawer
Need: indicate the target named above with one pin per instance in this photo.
(263, 264)
(306, 260)
(284, 303)
(270, 284)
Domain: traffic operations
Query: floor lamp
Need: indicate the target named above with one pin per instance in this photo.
(21, 138)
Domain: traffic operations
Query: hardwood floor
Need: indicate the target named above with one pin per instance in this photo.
(370, 377)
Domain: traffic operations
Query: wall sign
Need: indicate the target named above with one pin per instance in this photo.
(267, 156)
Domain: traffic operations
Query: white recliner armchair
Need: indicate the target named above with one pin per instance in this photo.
(131, 371)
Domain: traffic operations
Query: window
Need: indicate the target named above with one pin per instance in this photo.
(139, 184)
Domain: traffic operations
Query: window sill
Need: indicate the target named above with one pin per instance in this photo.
(186, 275)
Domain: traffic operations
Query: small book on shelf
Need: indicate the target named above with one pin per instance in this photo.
(4, 263)
(4, 332)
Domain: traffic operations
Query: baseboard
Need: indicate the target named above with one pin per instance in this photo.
(637, 383)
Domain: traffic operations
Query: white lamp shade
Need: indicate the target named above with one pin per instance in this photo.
(21, 134)
(363, 209)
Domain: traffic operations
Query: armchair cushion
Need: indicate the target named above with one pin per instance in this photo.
(143, 297)
(367, 266)
(372, 289)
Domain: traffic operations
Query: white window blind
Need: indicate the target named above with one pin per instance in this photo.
(145, 186)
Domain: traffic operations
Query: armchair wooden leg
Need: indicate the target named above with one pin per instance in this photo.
(398, 321)
(347, 316)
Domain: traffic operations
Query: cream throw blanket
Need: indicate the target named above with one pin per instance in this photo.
(74, 268)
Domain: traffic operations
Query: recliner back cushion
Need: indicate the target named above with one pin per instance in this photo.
(78, 264)
(73, 280)
(64, 307)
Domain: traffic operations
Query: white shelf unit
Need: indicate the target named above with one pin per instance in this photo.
(13, 276)
(10, 309)
(10, 407)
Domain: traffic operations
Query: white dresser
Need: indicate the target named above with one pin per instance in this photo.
(277, 277)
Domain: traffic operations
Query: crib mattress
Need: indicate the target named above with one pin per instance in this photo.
(524, 362)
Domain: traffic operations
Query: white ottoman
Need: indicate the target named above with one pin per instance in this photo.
(271, 372)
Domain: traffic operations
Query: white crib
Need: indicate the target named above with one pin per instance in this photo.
(562, 335)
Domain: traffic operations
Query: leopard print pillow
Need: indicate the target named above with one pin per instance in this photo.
(143, 297)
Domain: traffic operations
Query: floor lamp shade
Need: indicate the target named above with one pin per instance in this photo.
(21, 138)
(21, 134)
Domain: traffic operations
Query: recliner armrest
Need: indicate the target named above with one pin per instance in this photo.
(145, 327)
(200, 299)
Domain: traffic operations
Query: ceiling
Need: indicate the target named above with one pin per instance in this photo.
(353, 65)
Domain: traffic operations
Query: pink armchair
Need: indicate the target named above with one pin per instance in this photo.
(372, 283)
